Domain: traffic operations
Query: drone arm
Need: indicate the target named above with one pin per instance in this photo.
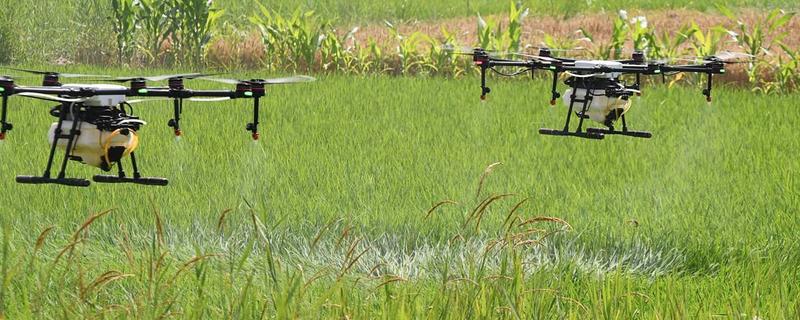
(185, 94)
(4, 125)
(484, 89)
(709, 69)
(707, 91)
(72, 92)
(554, 91)
(253, 126)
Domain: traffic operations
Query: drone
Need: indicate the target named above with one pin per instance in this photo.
(95, 122)
(596, 91)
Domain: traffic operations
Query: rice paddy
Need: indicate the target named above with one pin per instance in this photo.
(333, 214)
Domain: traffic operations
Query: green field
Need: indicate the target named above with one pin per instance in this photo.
(698, 222)
(359, 10)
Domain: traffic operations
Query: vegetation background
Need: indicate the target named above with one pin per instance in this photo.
(387, 190)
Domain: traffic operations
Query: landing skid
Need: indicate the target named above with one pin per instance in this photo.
(143, 181)
(586, 135)
(629, 133)
(72, 182)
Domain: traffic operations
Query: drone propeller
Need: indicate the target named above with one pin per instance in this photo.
(286, 80)
(48, 97)
(215, 99)
(725, 57)
(576, 49)
(472, 51)
(58, 74)
(184, 76)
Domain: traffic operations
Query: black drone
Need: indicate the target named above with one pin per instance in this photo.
(595, 85)
(95, 122)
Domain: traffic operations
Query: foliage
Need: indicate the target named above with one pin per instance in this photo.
(353, 164)
(8, 36)
(197, 20)
(124, 22)
(188, 26)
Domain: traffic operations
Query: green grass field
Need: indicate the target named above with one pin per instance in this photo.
(361, 10)
(698, 222)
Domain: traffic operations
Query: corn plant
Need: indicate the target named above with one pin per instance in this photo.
(707, 43)
(492, 36)
(198, 19)
(124, 22)
(407, 49)
(758, 39)
(440, 60)
(156, 20)
(297, 38)
(513, 35)
(619, 35)
(669, 45)
(336, 54)
(487, 36)
(785, 76)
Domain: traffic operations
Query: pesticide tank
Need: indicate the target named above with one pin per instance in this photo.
(91, 145)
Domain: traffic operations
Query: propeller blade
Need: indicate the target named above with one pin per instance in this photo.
(185, 76)
(458, 50)
(213, 99)
(48, 97)
(558, 49)
(294, 79)
(62, 75)
(209, 99)
(221, 80)
(146, 100)
(286, 80)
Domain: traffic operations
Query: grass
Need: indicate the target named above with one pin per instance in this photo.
(361, 10)
(697, 222)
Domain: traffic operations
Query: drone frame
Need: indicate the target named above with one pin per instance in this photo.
(636, 66)
(71, 104)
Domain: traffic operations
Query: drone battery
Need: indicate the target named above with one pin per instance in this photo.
(92, 144)
(101, 100)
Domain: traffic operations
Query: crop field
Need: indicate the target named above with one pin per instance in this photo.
(328, 215)
(387, 189)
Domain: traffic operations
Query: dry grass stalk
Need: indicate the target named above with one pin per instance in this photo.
(315, 277)
(191, 262)
(486, 173)
(486, 205)
(126, 244)
(511, 214)
(89, 222)
(390, 280)
(437, 205)
(321, 232)
(546, 219)
(221, 220)
(345, 234)
(41, 238)
(103, 280)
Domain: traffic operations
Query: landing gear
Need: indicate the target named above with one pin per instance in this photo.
(586, 100)
(137, 177)
(590, 133)
(72, 112)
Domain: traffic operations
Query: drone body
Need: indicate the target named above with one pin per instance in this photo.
(603, 108)
(597, 91)
(94, 125)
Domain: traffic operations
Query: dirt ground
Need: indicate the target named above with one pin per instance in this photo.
(599, 25)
